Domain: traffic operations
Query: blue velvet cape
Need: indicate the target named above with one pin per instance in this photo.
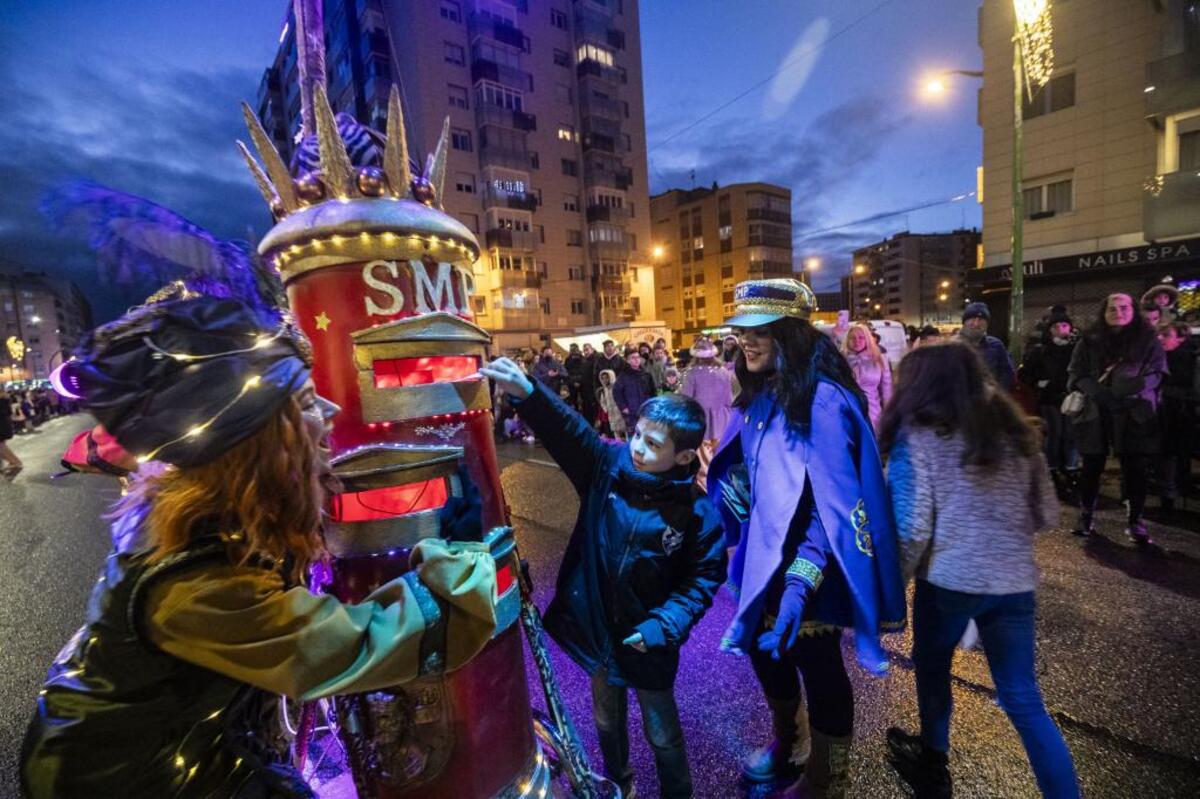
(838, 456)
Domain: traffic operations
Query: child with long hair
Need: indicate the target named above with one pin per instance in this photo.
(200, 618)
(970, 488)
(871, 369)
(805, 502)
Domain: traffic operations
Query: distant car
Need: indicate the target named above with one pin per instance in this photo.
(893, 338)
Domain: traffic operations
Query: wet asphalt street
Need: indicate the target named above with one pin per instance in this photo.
(1118, 642)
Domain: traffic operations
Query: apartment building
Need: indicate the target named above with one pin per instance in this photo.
(1111, 179)
(548, 145)
(914, 278)
(707, 240)
(44, 318)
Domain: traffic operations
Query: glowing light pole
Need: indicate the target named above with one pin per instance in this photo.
(1033, 61)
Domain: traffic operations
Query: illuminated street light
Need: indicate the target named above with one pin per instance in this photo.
(35, 319)
(943, 297)
(657, 252)
(859, 269)
(812, 264)
(945, 284)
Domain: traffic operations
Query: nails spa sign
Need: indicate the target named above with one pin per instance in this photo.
(1149, 255)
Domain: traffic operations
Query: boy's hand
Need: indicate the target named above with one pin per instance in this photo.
(637, 642)
(509, 377)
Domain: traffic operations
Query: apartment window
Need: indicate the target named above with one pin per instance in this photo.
(566, 133)
(546, 307)
(574, 273)
(562, 58)
(454, 53)
(1050, 198)
(1189, 148)
(558, 19)
(490, 93)
(633, 241)
(625, 105)
(570, 202)
(470, 220)
(457, 95)
(464, 182)
(570, 166)
(590, 52)
(578, 306)
(563, 94)
(460, 139)
(574, 238)
(450, 10)
(1056, 95)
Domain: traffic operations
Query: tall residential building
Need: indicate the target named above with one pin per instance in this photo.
(48, 316)
(914, 278)
(1111, 178)
(548, 141)
(707, 240)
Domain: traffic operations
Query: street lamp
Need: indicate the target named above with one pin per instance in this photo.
(657, 251)
(1033, 61)
(810, 265)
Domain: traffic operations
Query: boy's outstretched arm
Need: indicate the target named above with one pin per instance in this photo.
(569, 439)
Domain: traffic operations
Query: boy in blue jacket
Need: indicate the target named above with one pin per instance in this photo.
(645, 558)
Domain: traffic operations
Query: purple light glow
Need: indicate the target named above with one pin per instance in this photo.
(65, 383)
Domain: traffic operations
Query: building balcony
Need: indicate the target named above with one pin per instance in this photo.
(495, 115)
(780, 242)
(488, 26)
(605, 213)
(514, 279)
(523, 201)
(604, 144)
(599, 126)
(601, 107)
(613, 177)
(615, 316)
(485, 69)
(594, 69)
(610, 250)
(516, 318)
(1172, 206)
(1176, 82)
(491, 155)
(612, 284)
(767, 215)
(510, 239)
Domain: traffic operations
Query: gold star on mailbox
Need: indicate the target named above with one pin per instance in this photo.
(323, 321)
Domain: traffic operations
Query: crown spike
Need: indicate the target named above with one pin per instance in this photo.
(336, 169)
(395, 148)
(281, 178)
(437, 170)
(260, 177)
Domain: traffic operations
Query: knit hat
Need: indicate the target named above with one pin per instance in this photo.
(703, 348)
(976, 309)
(1058, 315)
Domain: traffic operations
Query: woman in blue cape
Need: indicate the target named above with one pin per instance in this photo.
(806, 505)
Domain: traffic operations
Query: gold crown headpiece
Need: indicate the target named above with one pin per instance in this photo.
(339, 179)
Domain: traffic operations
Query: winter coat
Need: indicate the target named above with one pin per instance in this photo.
(964, 528)
(647, 553)
(875, 380)
(6, 422)
(658, 371)
(996, 356)
(604, 398)
(1047, 360)
(616, 363)
(633, 387)
(543, 368)
(574, 368)
(1121, 411)
(712, 387)
(1179, 397)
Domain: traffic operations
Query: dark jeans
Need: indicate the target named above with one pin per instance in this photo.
(1060, 439)
(826, 685)
(1133, 475)
(660, 722)
(1006, 627)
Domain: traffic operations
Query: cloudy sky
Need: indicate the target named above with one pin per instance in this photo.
(817, 95)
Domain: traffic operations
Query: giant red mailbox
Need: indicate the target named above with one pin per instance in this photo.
(380, 279)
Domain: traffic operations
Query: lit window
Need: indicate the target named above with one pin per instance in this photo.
(566, 133)
(592, 52)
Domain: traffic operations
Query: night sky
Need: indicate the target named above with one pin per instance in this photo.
(142, 95)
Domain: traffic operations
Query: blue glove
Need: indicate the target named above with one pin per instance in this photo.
(780, 640)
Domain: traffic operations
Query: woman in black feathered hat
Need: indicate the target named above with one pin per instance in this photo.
(199, 619)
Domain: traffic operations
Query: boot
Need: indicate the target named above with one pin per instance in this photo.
(827, 775)
(1086, 527)
(926, 770)
(1138, 534)
(781, 761)
(1059, 478)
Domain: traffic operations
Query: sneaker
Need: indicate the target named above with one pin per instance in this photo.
(927, 771)
(1139, 535)
(1085, 529)
(529, 439)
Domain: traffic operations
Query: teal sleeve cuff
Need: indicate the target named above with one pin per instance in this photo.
(807, 572)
